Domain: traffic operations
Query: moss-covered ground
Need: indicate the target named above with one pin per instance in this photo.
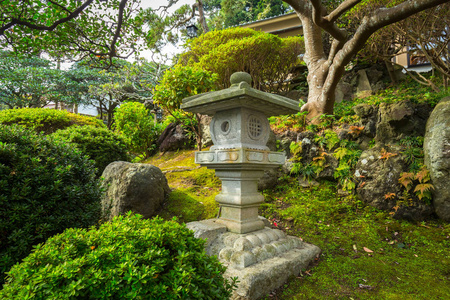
(193, 188)
(365, 253)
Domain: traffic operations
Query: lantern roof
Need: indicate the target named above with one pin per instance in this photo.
(240, 94)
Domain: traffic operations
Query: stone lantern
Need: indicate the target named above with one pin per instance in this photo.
(240, 131)
(262, 257)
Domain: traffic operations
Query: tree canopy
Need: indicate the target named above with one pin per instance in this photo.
(27, 81)
(73, 28)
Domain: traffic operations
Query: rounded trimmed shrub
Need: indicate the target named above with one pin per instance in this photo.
(128, 258)
(136, 124)
(45, 187)
(46, 120)
(100, 144)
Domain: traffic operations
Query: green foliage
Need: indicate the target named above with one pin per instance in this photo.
(178, 116)
(128, 258)
(346, 152)
(408, 89)
(296, 122)
(181, 82)
(45, 187)
(46, 120)
(266, 57)
(100, 144)
(136, 125)
(413, 152)
(328, 139)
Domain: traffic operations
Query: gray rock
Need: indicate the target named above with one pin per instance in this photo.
(400, 119)
(378, 177)
(330, 167)
(363, 89)
(173, 138)
(140, 188)
(268, 180)
(437, 156)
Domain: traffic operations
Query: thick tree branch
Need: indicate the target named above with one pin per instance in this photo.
(112, 51)
(342, 8)
(72, 15)
(318, 15)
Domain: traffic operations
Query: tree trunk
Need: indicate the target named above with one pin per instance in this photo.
(325, 71)
(202, 18)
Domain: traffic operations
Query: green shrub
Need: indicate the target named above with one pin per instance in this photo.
(128, 258)
(46, 120)
(45, 187)
(268, 58)
(100, 144)
(135, 123)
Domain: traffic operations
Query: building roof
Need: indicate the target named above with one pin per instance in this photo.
(284, 25)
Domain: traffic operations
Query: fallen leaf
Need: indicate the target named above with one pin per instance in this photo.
(367, 250)
(364, 286)
(354, 248)
(416, 255)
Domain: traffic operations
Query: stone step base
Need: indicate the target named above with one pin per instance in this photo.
(262, 260)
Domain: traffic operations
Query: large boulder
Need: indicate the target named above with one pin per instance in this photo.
(437, 156)
(378, 171)
(173, 138)
(400, 119)
(140, 188)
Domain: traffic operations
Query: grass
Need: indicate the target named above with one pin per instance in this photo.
(193, 188)
(409, 261)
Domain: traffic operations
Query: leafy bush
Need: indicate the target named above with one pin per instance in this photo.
(100, 144)
(46, 120)
(45, 187)
(128, 258)
(135, 123)
(181, 82)
(266, 57)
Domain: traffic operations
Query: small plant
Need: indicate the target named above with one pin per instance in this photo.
(318, 163)
(128, 258)
(386, 155)
(294, 123)
(326, 121)
(413, 153)
(296, 149)
(421, 183)
(327, 140)
(356, 130)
